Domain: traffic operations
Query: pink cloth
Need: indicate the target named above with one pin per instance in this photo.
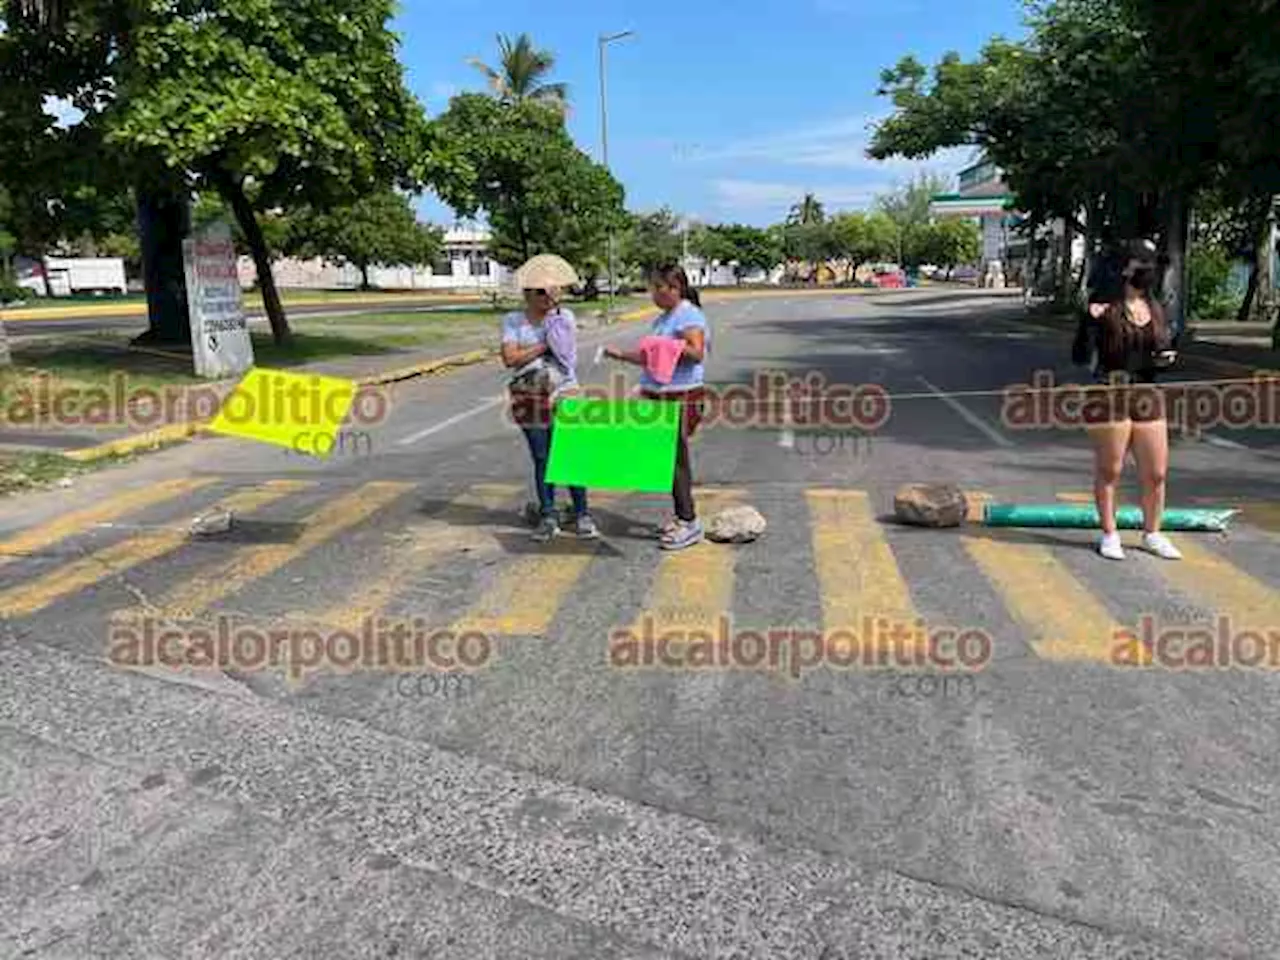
(661, 354)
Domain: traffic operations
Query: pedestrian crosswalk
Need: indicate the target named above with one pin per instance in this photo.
(340, 556)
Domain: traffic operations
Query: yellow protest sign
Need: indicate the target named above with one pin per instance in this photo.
(299, 411)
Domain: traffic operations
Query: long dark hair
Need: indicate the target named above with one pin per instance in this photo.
(1117, 334)
(673, 275)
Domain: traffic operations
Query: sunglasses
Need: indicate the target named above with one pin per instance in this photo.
(539, 292)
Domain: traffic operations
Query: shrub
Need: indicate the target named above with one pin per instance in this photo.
(1209, 295)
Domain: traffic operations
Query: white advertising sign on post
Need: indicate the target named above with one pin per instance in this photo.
(220, 341)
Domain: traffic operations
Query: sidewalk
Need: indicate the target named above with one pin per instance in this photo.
(1238, 350)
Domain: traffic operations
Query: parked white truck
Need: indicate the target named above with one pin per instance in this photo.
(68, 275)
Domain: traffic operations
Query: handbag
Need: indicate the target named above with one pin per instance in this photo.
(543, 376)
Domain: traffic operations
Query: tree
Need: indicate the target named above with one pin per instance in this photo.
(540, 192)
(812, 244)
(70, 50)
(379, 229)
(1056, 115)
(948, 243)
(273, 106)
(520, 71)
(807, 211)
(861, 238)
(8, 284)
(1219, 63)
(747, 248)
(652, 239)
(908, 209)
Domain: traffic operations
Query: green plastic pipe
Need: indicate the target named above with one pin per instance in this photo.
(1086, 517)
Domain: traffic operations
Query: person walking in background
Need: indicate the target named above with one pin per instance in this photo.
(682, 319)
(1134, 343)
(539, 343)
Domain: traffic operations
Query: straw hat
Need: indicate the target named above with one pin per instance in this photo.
(546, 270)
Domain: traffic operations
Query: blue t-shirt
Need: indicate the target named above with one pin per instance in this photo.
(688, 373)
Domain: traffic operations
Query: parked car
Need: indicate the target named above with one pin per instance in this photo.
(889, 279)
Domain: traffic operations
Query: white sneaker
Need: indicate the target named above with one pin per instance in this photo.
(1110, 547)
(1159, 544)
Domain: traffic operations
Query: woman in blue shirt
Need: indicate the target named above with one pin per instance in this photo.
(681, 317)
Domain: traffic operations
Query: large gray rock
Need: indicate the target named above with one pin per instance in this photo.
(211, 524)
(736, 525)
(931, 505)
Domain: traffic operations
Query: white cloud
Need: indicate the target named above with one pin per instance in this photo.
(62, 111)
(837, 144)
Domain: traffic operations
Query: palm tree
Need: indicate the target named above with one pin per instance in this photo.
(807, 211)
(521, 70)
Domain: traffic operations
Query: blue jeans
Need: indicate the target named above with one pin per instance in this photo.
(539, 439)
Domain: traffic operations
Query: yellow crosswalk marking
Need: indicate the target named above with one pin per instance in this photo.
(693, 588)
(35, 596)
(526, 595)
(1243, 601)
(253, 562)
(401, 564)
(45, 535)
(1063, 619)
(858, 577)
(1263, 515)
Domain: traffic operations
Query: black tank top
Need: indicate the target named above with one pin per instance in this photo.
(1127, 348)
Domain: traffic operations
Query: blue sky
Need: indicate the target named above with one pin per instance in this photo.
(724, 112)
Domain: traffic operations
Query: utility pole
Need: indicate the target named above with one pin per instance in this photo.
(605, 40)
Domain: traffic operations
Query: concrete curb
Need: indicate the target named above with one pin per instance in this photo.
(150, 440)
(180, 432)
(431, 366)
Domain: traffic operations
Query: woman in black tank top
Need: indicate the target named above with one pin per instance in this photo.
(1126, 410)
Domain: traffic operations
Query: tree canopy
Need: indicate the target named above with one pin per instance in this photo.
(380, 229)
(541, 194)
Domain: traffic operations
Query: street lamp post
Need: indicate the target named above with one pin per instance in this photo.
(605, 40)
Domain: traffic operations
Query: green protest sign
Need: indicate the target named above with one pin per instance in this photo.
(608, 444)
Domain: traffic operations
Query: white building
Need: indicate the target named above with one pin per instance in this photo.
(984, 197)
(464, 265)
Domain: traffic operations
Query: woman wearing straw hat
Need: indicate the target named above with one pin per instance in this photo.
(539, 343)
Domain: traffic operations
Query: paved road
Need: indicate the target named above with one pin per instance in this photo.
(559, 805)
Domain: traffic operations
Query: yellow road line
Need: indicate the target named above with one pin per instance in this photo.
(1246, 602)
(1062, 619)
(37, 538)
(693, 588)
(1265, 516)
(1074, 497)
(858, 577)
(401, 564)
(253, 562)
(35, 596)
(525, 597)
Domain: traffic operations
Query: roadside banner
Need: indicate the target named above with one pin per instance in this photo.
(302, 412)
(607, 444)
(220, 343)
